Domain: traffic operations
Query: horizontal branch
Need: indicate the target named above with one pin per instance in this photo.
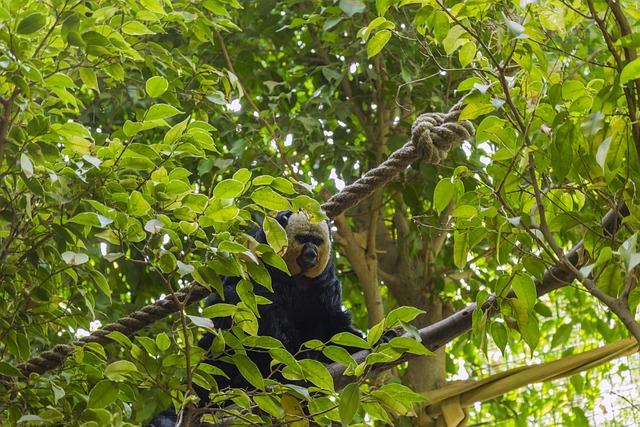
(439, 334)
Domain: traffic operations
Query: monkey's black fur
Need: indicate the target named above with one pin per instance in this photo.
(302, 307)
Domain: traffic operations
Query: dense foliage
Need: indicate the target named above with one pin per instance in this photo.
(139, 139)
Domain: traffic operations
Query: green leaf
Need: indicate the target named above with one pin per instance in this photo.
(91, 218)
(464, 212)
(441, 26)
(443, 194)
(562, 335)
(136, 28)
(261, 342)
(161, 111)
(259, 273)
(154, 226)
(349, 340)
(375, 333)
(366, 32)
(402, 314)
(317, 373)
(531, 334)
(59, 80)
(120, 338)
(562, 149)
(476, 109)
(137, 205)
(610, 280)
(219, 310)
(338, 354)
(88, 77)
(243, 175)
(71, 23)
(456, 35)
(631, 71)
(120, 370)
(228, 189)
(269, 199)
(153, 5)
(101, 282)
(248, 370)
(31, 23)
(103, 394)
(269, 404)
(163, 342)
(156, 86)
(500, 335)
(167, 262)
(376, 411)
(349, 403)
(176, 132)
(378, 42)
(403, 394)
(525, 290)
(276, 235)
(9, 370)
(34, 418)
(460, 249)
(94, 38)
(221, 213)
(206, 276)
(231, 246)
(467, 53)
(409, 345)
(148, 344)
(75, 39)
(390, 402)
(116, 71)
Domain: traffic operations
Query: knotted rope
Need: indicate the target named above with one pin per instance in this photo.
(433, 136)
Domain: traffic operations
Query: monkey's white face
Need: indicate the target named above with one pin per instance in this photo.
(309, 246)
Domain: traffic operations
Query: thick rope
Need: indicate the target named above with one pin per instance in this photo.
(433, 136)
(51, 359)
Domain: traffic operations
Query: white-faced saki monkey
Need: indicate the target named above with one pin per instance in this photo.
(305, 305)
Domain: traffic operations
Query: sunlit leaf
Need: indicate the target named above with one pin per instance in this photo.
(156, 86)
(378, 42)
(631, 71)
(161, 111)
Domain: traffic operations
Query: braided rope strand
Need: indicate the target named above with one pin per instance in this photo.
(433, 136)
(51, 359)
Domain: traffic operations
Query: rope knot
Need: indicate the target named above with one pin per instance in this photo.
(422, 140)
(433, 135)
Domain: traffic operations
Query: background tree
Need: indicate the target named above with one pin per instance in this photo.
(138, 138)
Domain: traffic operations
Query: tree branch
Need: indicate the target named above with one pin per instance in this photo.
(439, 334)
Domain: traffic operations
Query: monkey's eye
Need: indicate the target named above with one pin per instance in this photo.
(303, 238)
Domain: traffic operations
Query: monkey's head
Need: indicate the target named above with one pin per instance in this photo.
(309, 249)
